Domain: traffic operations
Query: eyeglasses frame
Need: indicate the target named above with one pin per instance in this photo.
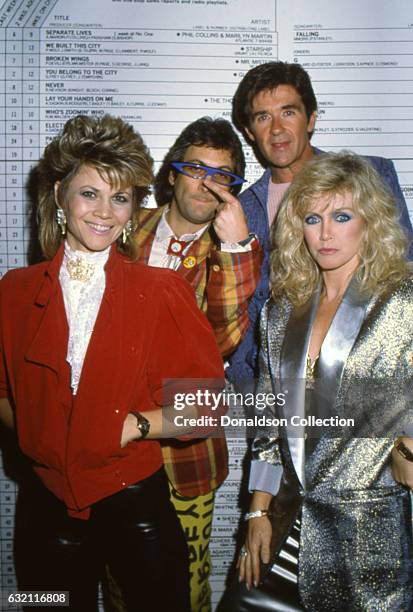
(210, 171)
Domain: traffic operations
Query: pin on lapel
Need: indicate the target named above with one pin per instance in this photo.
(189, 262)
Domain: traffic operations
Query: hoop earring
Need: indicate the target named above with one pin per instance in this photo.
(126, 232)
(61, 220)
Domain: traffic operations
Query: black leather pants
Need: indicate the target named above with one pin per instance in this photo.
(135, 532)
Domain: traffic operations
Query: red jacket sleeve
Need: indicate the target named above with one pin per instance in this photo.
(184, 356)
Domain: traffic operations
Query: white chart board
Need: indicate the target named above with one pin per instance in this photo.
(161, 64)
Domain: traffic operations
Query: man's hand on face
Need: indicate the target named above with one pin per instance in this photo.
(229, 223)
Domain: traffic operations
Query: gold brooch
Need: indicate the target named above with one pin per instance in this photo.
(78, 269)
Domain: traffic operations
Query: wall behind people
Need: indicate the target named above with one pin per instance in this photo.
(160, 64)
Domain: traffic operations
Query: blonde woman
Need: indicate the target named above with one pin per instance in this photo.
(337, 338)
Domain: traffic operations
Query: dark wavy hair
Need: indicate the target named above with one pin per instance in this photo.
(208, 132)
(269, 76)
(107, 144)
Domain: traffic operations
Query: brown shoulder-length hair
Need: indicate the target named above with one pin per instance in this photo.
(105, 143)
(294, 273)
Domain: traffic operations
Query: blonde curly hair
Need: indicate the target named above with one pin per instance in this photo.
(293, 272)
(107, 144)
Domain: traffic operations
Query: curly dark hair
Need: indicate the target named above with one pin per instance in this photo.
(105, 143)
(208, 132)
(269, 76)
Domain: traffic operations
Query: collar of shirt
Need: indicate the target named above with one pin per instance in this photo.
(164, 231)
(159, 255)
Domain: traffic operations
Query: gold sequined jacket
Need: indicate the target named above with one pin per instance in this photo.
(356, 538)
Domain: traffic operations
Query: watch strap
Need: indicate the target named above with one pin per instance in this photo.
(402, 449)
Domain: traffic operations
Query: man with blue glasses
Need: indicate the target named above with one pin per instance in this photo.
(200, 230)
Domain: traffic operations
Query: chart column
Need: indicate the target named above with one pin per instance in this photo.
(3, 241)
(14, 136)
(31, 130)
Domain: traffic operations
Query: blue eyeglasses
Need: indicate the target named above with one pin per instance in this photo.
(198, 171)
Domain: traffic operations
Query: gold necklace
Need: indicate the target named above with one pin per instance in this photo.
(311, 366)
(79, 269)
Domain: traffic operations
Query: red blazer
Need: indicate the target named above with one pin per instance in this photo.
(148, 328)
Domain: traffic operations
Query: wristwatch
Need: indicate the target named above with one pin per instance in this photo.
(142, 424)
(402, 449)
(247, 240)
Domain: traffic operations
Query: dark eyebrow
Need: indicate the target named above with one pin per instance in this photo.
(291, 107)
(120, 190)
(202, 163)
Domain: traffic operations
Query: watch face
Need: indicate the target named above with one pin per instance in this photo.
(143, 424)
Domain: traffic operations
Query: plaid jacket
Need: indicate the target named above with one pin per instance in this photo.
(222, 282)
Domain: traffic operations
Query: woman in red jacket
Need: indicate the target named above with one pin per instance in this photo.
(88, 339)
